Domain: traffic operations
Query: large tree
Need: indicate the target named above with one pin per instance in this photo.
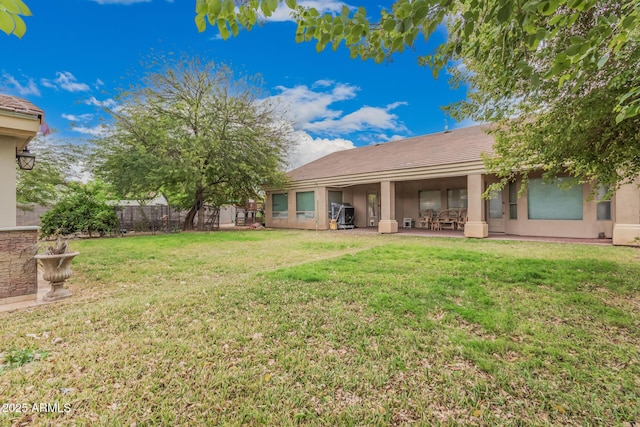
(566, 70)
(195, 133)
(561, 84)
(56, 165)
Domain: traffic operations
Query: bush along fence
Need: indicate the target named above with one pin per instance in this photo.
(146, 219)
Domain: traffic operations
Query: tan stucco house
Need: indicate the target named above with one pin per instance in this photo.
(389, 183)
(19, 122)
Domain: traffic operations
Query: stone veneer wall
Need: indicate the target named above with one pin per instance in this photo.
(18, 268)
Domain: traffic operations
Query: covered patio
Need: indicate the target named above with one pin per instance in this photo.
(390, 185)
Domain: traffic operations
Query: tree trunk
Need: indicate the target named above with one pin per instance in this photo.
(201, 219)
(191, 215)
(188, 221)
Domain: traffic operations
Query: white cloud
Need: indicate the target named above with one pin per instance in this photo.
(107, 103)
(320, 129)
(307, 149)
(381, 137)
(306, 105)
(97, 131)
(323, 83)
(67, 81)
(283, 13)
(12, 84)
(310, 109)
(80, 118)
(48, 83)
(364, 119)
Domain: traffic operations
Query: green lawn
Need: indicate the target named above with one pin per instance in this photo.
(331, 328)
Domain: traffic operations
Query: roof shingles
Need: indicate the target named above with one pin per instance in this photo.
(19, 105)
(458, 146)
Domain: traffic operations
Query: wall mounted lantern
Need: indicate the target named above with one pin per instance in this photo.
(26, 160)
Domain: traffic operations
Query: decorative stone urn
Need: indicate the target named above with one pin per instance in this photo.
(57, 269)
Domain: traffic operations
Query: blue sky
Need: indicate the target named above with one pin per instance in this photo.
(75, 56)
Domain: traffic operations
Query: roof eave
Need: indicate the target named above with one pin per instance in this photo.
(21, 127)
(409, 174)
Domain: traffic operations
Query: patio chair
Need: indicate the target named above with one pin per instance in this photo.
(462, 219)
(426, 219)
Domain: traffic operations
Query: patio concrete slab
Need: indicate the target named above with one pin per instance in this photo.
(492, 236)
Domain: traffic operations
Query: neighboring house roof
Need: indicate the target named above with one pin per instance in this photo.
(19, 105)
(451, 153)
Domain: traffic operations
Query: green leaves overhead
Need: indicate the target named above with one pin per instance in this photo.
(11, 12)
(504, 13)
(269, 6)
(562, 88)
(397, 29)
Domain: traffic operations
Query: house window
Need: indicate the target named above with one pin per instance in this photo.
(305, 204)
(430, 199)
(457, 198)
(280, 205)
(513, 201)
(550, 201)
(334, 197)
(604, 205)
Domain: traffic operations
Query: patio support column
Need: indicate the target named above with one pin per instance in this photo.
(388, 223)
(8, 180)
(476, 225)
(322, 207)
(626, 230)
